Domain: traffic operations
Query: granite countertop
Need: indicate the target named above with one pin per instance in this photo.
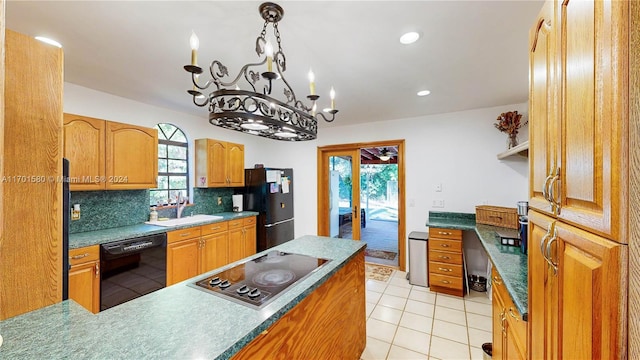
(510, 263)
(177, 322)
(97, 237)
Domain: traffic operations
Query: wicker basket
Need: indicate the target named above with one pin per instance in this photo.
(497, 216)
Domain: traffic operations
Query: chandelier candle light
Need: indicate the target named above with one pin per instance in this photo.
(259, 112)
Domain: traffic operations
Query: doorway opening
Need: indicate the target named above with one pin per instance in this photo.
(369, 208)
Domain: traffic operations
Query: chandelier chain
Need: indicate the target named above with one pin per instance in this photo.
(277, 33)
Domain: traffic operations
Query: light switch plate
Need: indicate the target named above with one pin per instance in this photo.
(438, 203)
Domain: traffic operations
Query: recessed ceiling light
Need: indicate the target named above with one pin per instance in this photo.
(409, 38)
(424, 92)
(49, 41)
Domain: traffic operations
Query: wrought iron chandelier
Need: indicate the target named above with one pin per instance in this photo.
(259, 112)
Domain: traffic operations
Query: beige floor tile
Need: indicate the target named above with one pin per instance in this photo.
(412, 340)
(450, 331)
(377, 286)
(400, 282)
(420, 308)
(419, 288)
(397, 291)
(399, 353)
(387, 314)
(479, 337)
(447, 349)
(450, 315)
(381, 330)
(479, 322)
(416, 322)
(375, 349)
(373, 296)
(450, 302)
(422, 296)
(476, 353)
(481, 297)
(400, 274)
(478, 308)
(369, 308)
(392, 301)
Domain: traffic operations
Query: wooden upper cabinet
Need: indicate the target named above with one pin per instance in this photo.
(593, 154)
(543, 117)
(84, 147)
(105, 155)
(219, 163)
(579, 101)
(131, 157)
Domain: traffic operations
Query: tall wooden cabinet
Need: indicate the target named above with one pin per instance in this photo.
(219, 163)
(579, 112)
(31, 167)
(106, 155)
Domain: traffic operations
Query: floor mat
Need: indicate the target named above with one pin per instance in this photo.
(377, 272)
(380, 254)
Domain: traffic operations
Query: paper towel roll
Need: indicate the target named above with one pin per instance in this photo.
(237, 202)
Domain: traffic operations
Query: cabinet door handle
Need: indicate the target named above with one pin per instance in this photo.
(554, 238)
(97, 270)
(545, 192)
(503, 318)
(512, 314)
(543, 241)
(444, 257)
(444, 233)
(552, 197)
(497, 280)
(444, 245)
(185, 234)
(76, 257)
(445, 269)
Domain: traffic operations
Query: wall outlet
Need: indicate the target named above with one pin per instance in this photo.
(412, 202)
(438, 203)
(438, 187)
(75, 212)
(219, 200)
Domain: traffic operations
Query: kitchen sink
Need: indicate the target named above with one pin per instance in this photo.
(185, 220)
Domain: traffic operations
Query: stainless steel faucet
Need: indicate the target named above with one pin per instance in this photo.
(181, 204)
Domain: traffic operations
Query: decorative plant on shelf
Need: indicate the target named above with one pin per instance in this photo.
(510, 122)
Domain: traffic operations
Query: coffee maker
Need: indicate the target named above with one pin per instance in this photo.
(523, 220)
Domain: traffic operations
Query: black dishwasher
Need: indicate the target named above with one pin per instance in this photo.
(132, 268)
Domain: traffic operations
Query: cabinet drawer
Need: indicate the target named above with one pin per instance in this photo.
(215, 228)
(445, 257)
(235, 224)
(445, 233)
(446, 245)
(249, 221)
(183, 234)
(451, 282)
(83, 255)
(445, 269)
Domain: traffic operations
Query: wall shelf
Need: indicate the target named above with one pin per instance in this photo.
(521, 150)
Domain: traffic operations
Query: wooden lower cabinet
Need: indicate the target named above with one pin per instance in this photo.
(327, 324)
(509, 330)
(196, 250)
(578, 296)
(84, 277)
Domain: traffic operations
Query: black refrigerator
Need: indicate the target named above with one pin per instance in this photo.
(269, 192)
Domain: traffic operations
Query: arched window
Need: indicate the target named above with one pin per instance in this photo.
(173, 166)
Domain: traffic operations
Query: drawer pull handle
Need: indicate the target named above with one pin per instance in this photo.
(497, 280)
(76, 257)
(445, 269)
(444, 233)
(444, 257)
(445, 281)
(185, 234)
(512, 314)
(444, 245)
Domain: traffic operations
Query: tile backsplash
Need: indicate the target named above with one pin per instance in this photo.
(108, 209)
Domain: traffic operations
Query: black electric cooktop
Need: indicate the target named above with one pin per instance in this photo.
(257, 282)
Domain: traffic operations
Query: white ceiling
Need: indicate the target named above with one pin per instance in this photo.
(472, 54)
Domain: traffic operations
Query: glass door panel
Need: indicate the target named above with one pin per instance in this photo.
(344, 204)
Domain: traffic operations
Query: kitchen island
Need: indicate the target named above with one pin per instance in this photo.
(180, 322)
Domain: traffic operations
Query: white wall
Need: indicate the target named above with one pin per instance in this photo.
(457, 150)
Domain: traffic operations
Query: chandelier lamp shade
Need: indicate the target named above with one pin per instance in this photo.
(259, 100)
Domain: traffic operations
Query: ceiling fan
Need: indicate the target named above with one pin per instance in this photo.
(385, 154)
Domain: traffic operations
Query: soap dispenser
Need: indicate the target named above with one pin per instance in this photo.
(153, 215)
